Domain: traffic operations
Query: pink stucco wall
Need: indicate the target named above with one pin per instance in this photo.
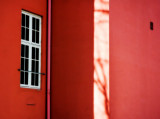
(134, 59)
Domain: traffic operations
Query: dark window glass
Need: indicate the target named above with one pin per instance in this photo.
(27, 21)
(23, 20)
(37, 24)
(37, 54)
(33, 23)
(27, 34)
(36, 80)
(23, 33)
(22, 77)
(33, 36)
(26, 64)
(37, 37)
(22, 63)
(37, 66)
(27, 51)
(32, 79)
(33, 66)
(26, 77)
(33, 53)
(22, 50)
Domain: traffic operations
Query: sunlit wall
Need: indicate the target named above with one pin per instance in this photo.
(101, 59)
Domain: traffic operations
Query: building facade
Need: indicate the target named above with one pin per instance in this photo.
(23, 59)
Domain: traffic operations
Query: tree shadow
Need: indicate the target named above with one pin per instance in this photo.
(102, 84)
(101, 59)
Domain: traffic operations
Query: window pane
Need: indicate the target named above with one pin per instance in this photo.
(27, 34)
(27, 51)
(36, 79)
(33, 36)
(22, 63)
(23, 20)
(33, 53)
(33, 66)
(37, 24)
(37, 66)
(26, 77)
(22, 50)
(32, 79)
(23, 33)
(26, 64)
(27, 21)
(37, 54)
(37, 37)
(22, 77)
(33, 23)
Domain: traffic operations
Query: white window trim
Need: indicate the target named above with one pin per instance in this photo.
(30, 44)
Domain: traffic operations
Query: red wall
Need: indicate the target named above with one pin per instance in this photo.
(134, 59)
(13, 99)
(72, 59)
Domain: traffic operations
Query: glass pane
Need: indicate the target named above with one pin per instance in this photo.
(32, 79)
(33, 53)
(37, 66)
(33, 36)
(23, 33)
(37, 37)
(33, 23)
(27, 51)
(22, 77)
(26, 77)
(22, 63)
(37, 24)
(27, 34)
(33, 66)
(22, 50)
(36, 79)
(23, 20)
(27, 21)
(37, 54)
(26, 64)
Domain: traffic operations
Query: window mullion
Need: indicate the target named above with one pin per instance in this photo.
(39, 78)
(30, 49)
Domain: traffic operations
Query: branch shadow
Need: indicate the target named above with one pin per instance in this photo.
(102, 85)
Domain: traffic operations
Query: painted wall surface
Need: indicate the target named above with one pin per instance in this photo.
(72, 59)
(101, 59)
(134, 59)
(14, 100)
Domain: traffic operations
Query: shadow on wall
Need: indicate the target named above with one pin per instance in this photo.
(99, 66)
(101, 59)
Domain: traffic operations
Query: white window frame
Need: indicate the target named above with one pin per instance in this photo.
(31, 44)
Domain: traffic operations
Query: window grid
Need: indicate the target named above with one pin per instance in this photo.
(37, 45)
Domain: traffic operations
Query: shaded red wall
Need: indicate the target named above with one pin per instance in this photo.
(134, 59)
(14, 99)
(72, 59)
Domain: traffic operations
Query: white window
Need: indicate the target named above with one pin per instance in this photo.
(30, 51)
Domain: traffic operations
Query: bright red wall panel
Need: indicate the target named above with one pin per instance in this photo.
(13, 99)
(72, 59)
(134, 59)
